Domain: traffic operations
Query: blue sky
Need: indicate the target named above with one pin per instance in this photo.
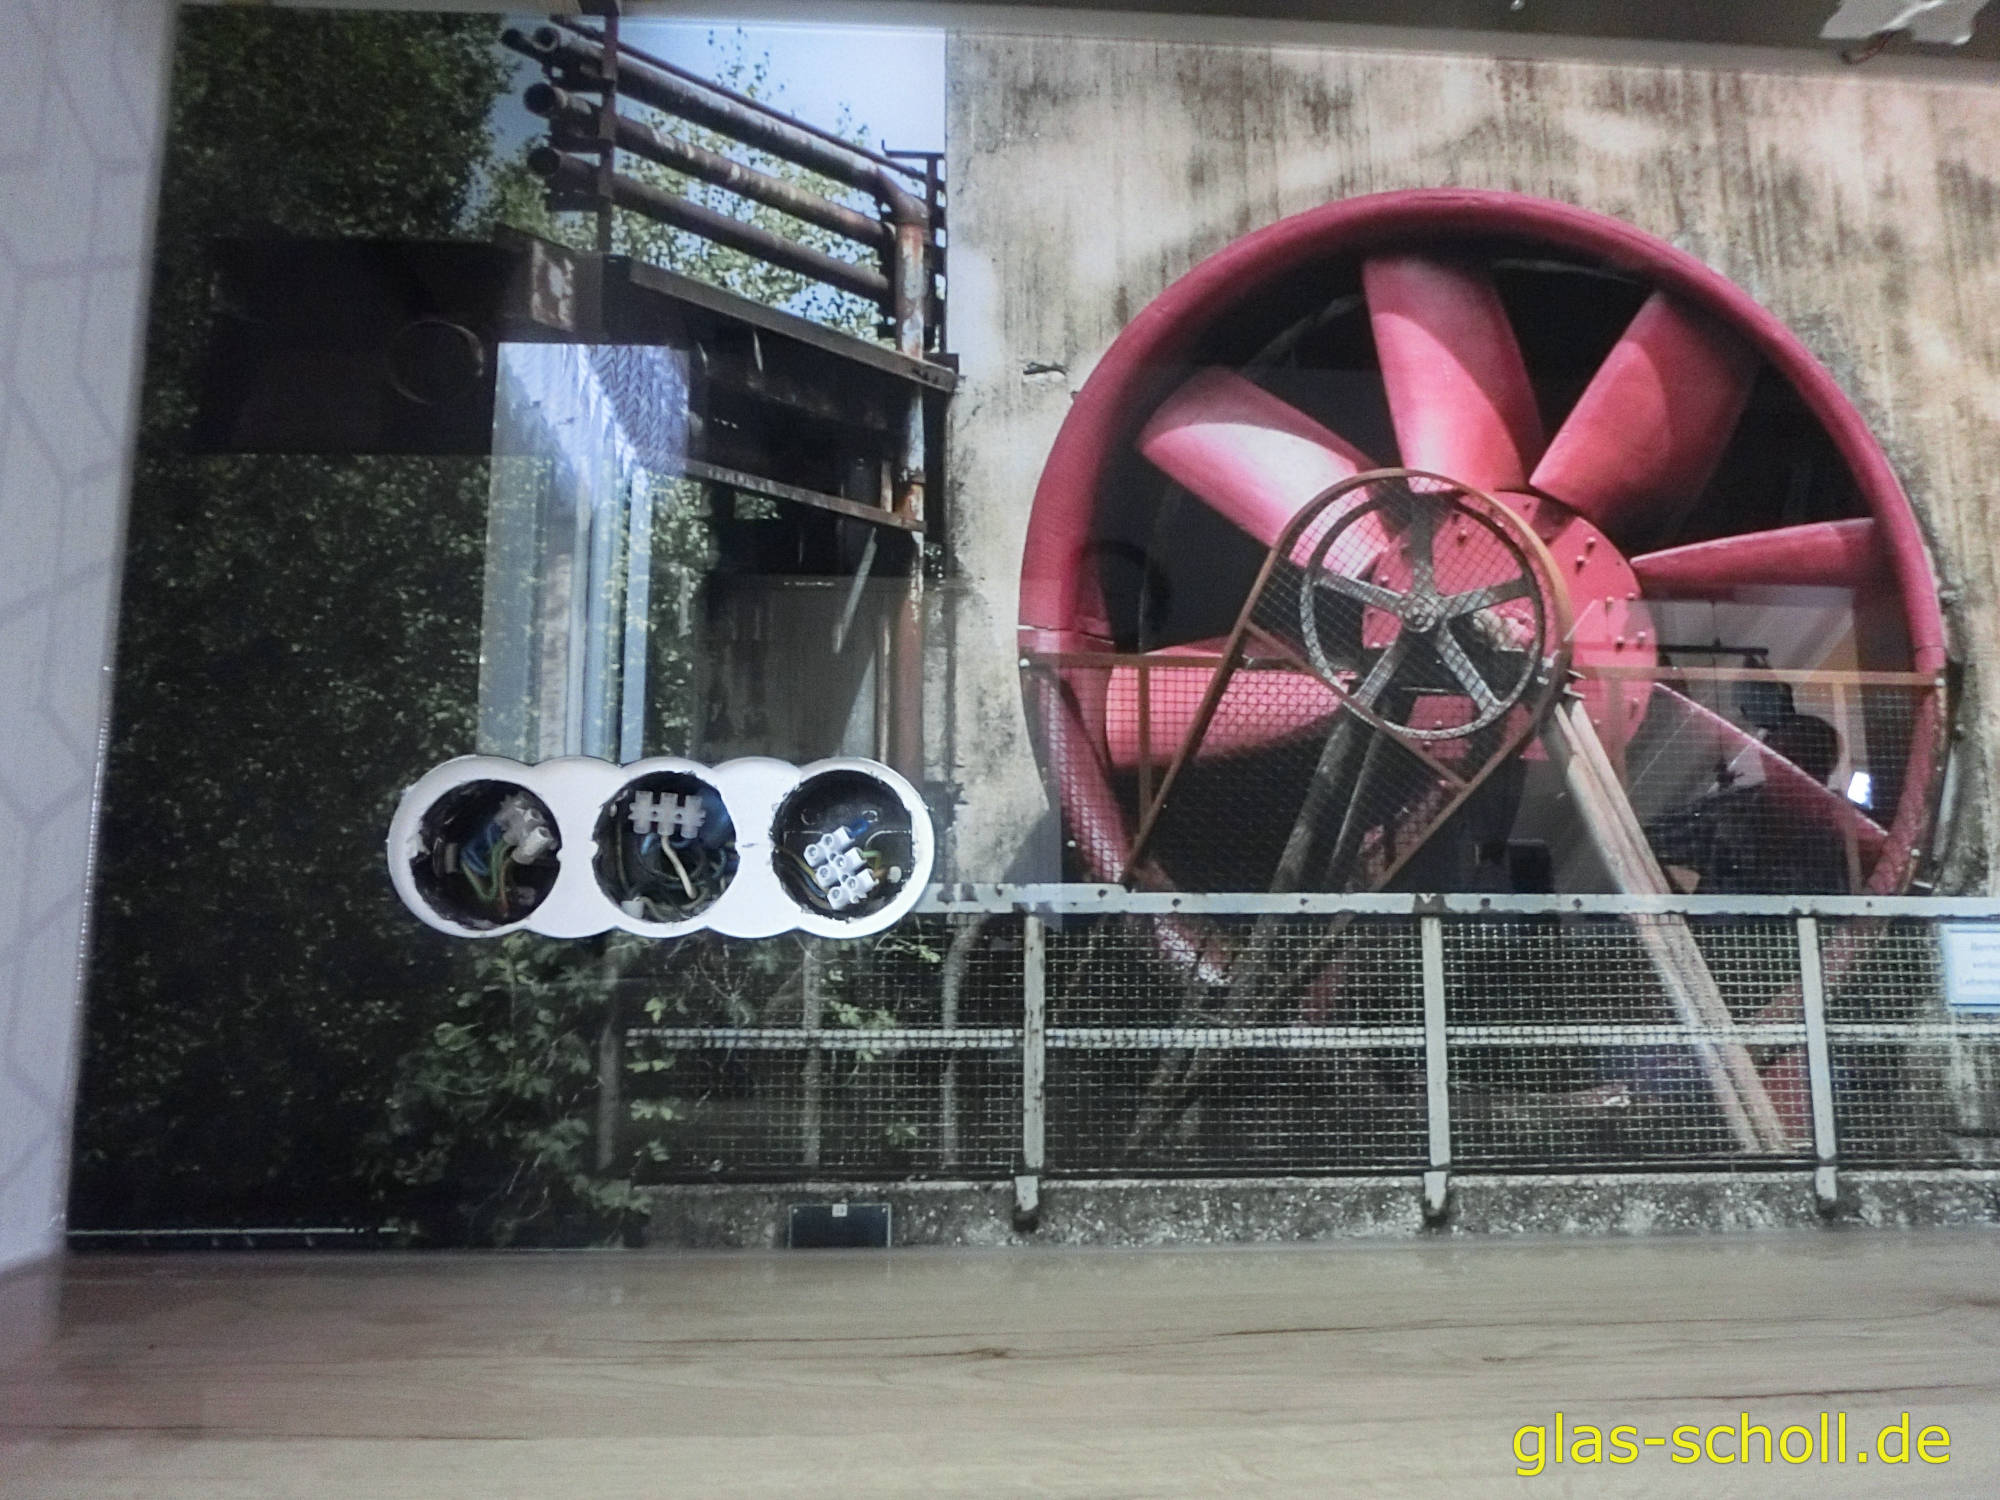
(891, 80)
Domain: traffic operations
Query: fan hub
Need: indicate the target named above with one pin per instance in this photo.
(1613, 627)
(1440, 584)
(1423, 613)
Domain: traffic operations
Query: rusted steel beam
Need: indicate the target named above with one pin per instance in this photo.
(853, 403)
(566, 173)
(910, 301)
(771, 489)
(905, 665)
(562, 108)
(606, 144)
(645, 277)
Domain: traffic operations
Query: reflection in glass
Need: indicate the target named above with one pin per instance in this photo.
(583, 437)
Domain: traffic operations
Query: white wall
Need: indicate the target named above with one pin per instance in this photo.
(82, 87)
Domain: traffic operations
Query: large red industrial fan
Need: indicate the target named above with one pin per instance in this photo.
(1255, 660)
(1754, 627)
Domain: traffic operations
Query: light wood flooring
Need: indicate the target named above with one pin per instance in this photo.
(1342, 1370)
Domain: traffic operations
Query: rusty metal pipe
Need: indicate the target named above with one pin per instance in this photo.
(910, 303)
(570, 23)
(573, 174)
(560, 107)
(691, 101)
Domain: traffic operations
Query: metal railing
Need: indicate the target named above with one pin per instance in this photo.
(1037, 1032)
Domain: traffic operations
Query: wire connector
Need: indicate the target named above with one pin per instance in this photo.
(667, 813)
(856, 887)
(522, 825)
(827, 847)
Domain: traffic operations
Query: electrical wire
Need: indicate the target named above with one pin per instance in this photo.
(484, 886)
(812, 887)
(479, 888)
(679, 869)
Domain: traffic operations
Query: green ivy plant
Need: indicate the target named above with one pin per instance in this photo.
(492, 1132)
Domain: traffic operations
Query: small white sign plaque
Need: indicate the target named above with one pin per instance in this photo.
(1971, 964)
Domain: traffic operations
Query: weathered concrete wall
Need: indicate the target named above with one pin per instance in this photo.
(1136, 1212)
(1088, 173)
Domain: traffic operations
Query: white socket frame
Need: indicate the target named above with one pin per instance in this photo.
(576, 790)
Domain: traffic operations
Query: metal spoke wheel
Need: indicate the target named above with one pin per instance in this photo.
(1449, 619)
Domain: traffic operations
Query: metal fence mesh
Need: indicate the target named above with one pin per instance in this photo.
(1233, 1105)
(1912, 1083)
(1158, 971)
(891, 1056)
(1192, 1043)
(743, 1111)
(1568, 1049)
(1234, 1044)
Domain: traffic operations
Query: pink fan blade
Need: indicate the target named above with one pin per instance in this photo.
(1648, 431)
(1258, 708)
(1068, 705)
(1795, 794)
(1255, 459)
(1836, 554)
(1458, 390)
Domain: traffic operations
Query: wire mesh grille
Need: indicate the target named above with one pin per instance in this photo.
(1572, 1041)
(1913, 1083)
(739, 1111)
(895, 1056)
(1381, 663)
(1163, 1106)
(1238, 1045)
(1878, 970)
(1164, 971)
(1234, 1044)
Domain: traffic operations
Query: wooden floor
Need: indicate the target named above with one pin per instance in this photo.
(1397, 1370)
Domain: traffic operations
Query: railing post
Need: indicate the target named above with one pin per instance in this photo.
(812, 1013)
(1437, 1073)
(1034, 1064)
(1819, 1067)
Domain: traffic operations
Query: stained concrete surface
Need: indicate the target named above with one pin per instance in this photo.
(1158, 1212)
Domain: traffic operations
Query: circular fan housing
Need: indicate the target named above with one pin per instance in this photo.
(1678, 450)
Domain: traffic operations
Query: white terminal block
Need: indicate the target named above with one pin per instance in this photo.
(828, 847)
(844, 893)
(896, 791)
(577, 790)
(667, 813)
(836, 869)
(525, 828)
